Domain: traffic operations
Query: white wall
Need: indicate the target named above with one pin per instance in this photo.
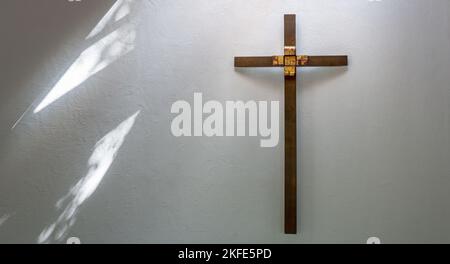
(374, 138)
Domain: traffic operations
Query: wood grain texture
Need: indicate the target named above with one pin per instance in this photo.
(290, 155)
(326, 61)
(253, 61)
(289, 30)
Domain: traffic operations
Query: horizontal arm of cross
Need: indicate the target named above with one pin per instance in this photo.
(302, 61)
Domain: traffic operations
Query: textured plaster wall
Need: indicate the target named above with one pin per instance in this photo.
(374, 139)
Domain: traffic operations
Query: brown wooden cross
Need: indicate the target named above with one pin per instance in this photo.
(290, 61)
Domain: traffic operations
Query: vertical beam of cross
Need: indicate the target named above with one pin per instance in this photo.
(290, 61)
(290, 129)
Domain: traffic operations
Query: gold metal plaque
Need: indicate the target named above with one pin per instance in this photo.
(302, 60)
(278, 61)
(289, 50)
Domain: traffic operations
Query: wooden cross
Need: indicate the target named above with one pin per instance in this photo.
(290, 61)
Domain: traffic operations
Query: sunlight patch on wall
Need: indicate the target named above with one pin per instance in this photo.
(4, 218)
(99, 162)
(99, 55)
(92, 60)
(119, 10)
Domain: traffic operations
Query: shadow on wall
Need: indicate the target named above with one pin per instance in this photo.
(32, 33)
(102, 53)
(101, 159)
(104, 42)
(307, 77)
(312, 77)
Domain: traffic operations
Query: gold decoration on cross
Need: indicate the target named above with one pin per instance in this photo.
(302, 60)
(278, 60)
